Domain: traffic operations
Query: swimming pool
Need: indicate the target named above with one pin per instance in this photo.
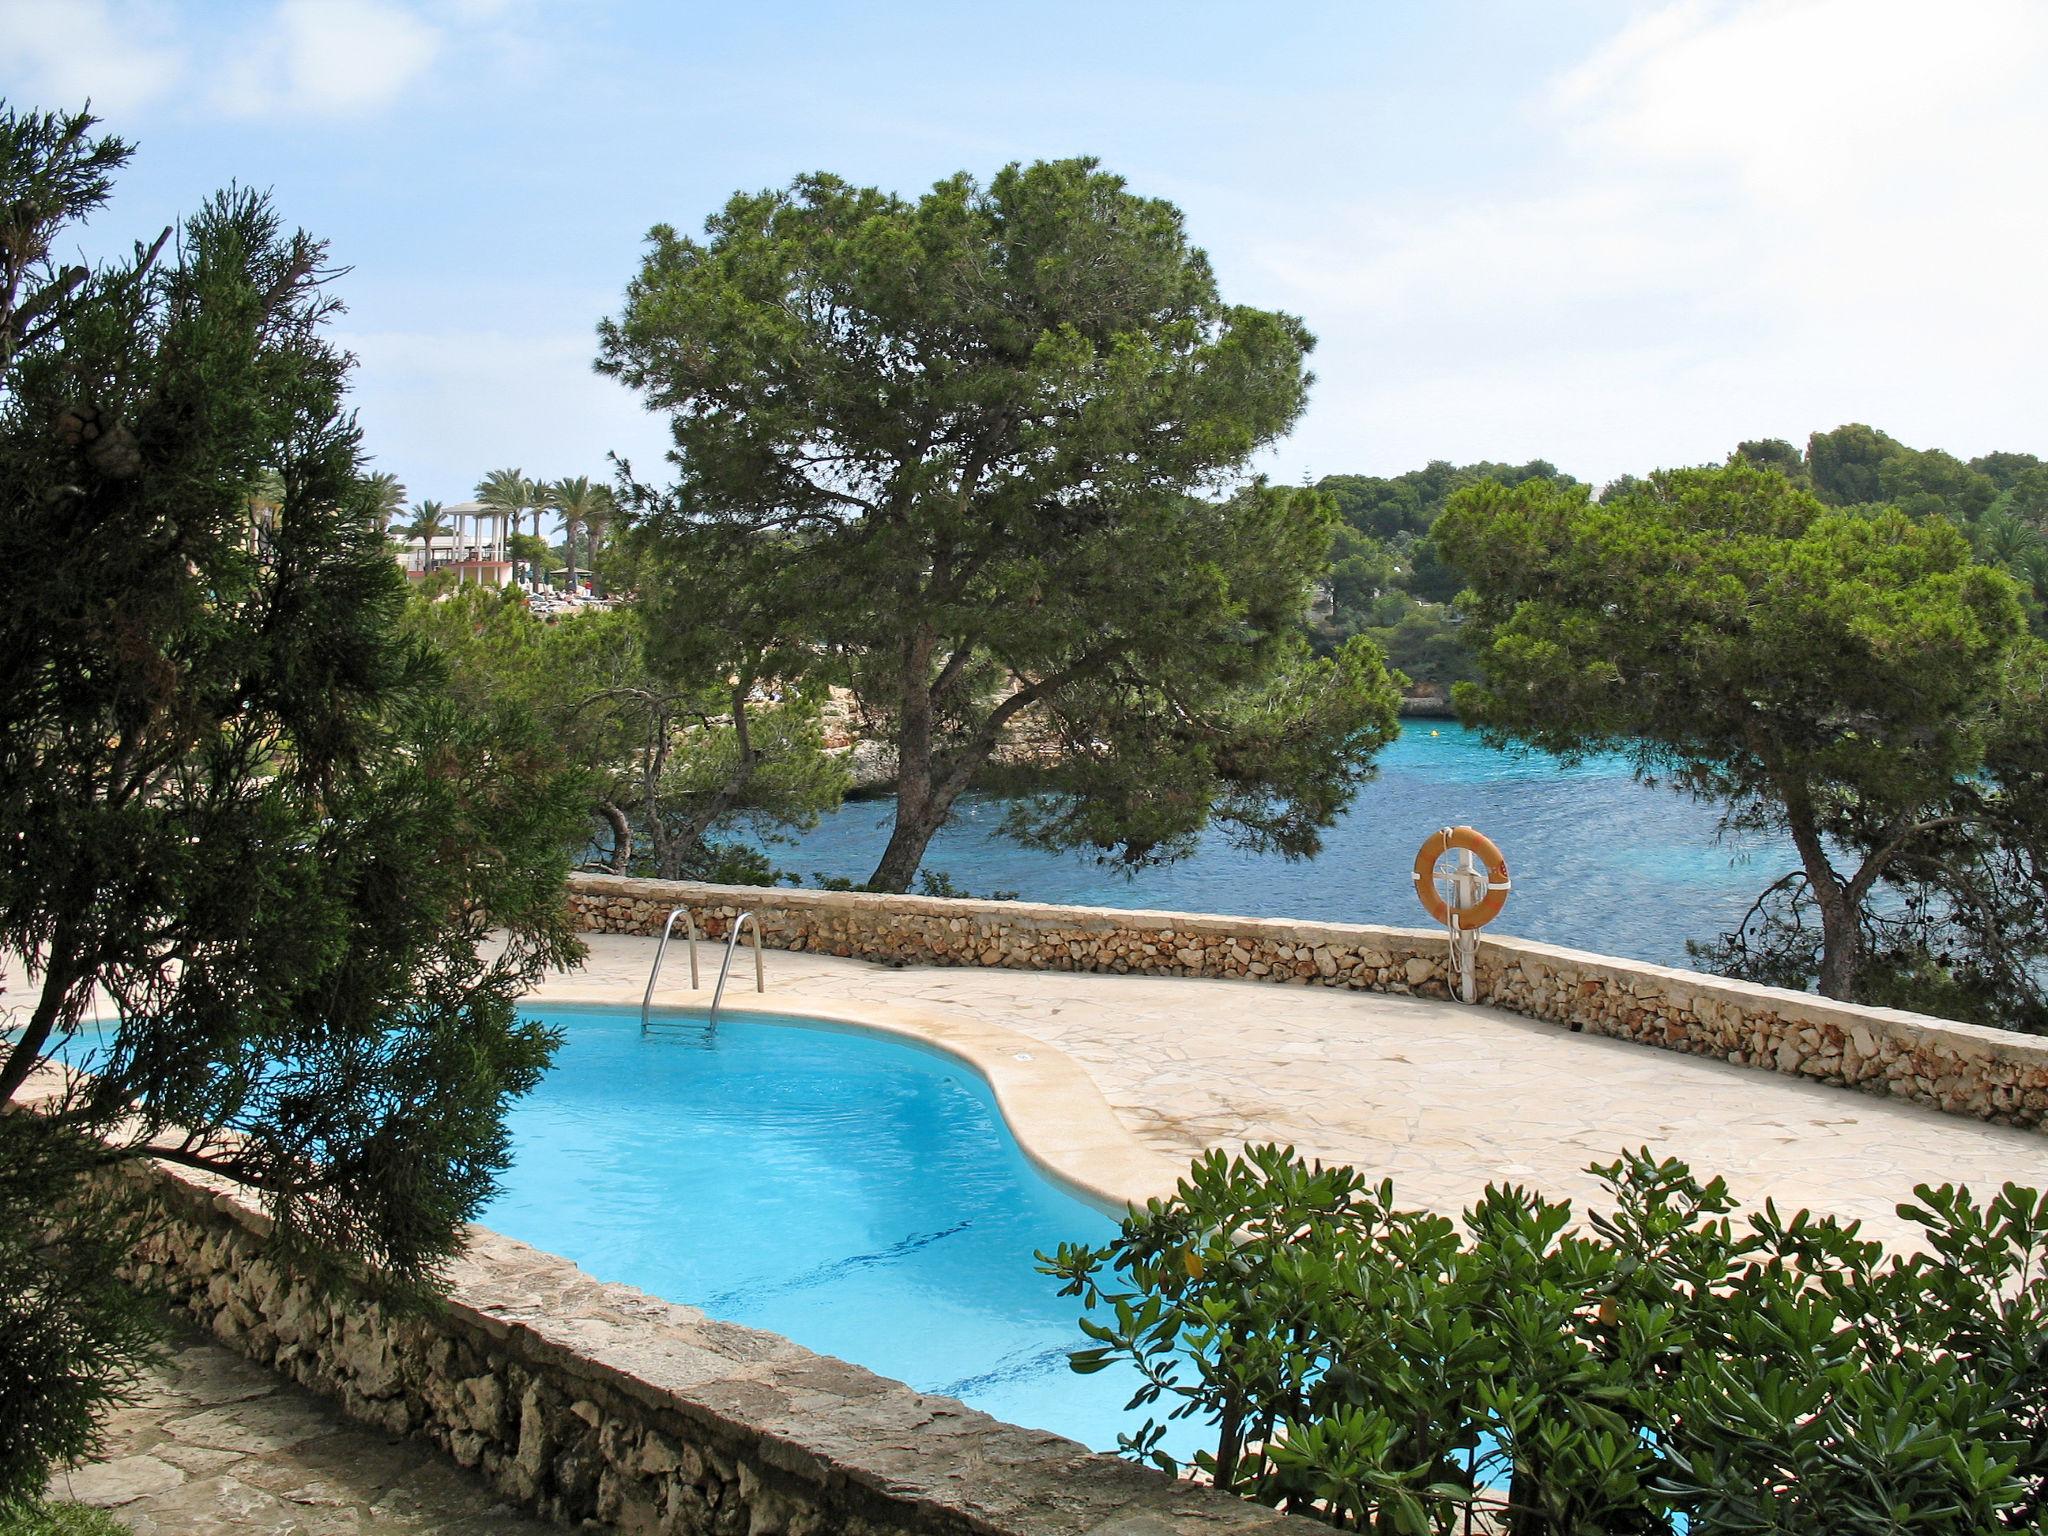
(858, 1194)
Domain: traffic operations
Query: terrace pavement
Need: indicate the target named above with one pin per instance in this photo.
(1442, 1097)
(216, 1445)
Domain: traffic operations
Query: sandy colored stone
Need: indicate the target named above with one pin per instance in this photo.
(300, 1470)
(111, 1484)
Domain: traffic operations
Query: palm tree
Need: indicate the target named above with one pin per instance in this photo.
(427, 525)
(510, 492)
(2034, 566)
(576, 501)
(2004, 538)
(386, 496)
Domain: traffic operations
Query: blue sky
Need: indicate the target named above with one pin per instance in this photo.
(1614, 235)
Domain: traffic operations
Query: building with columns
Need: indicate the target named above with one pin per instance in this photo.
(473, 550)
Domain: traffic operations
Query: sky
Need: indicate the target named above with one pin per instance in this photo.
(1616, 236)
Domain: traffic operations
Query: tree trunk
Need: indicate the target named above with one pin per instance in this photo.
(1841, 952)
(1841, 908)
(622, 837)
(54, 1009)
(926, 784)
(921, 806)
(917, 822)
(569, 553)
(653, 760)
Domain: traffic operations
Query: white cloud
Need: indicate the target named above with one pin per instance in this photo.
(326, 58)
(298, 58)
(1768, 217)
(57, 55)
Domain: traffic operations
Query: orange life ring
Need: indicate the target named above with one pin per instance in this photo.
(1481, 847)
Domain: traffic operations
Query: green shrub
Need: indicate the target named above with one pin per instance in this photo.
(58, 1520)
(1650, 1369)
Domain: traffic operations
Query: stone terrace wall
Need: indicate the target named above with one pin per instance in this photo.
(584, 1401)
(1963, 1069)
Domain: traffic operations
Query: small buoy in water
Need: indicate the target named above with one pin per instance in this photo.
(1433, 733)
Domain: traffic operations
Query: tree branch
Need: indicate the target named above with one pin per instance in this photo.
(1874, 865)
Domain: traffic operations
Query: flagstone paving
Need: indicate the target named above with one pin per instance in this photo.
(1442, 1097)
(214, 1443)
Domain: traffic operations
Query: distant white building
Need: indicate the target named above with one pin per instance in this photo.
(473, 550)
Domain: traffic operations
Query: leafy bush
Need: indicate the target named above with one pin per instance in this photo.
(1652, 1368)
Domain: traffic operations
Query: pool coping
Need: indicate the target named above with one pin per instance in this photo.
(1050, 1105)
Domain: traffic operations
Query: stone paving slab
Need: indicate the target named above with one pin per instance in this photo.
(215, 1444)
(1443, 1097)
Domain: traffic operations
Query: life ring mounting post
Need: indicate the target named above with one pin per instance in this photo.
(1464, 896)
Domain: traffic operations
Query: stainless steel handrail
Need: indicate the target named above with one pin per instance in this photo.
(661, 949)
(732, 940)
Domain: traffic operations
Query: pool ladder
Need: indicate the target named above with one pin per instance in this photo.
(732, 940)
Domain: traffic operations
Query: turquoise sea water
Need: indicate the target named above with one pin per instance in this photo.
(856, 1194)
(1600, 861)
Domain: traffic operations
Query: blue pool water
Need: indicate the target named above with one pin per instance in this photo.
(859, 1195)
(1600, 861)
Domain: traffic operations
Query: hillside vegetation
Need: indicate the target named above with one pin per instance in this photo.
(1389, 582)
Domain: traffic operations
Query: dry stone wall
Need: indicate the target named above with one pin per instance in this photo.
(588, 1402)
(1960, 1068)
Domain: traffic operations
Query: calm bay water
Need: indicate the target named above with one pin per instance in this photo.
(1600, 862)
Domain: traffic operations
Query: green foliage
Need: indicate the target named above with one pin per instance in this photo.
(1774, 453)
(2000, 500)
(510, 492)
(673, 764)
(1842, 674)
(247, 848)
(1426, 643)
(1389, 1369)
(1934, 484)
(63, 1519)
(1410, 503)
(429, 525)
(71, 1334)
(530, 549)
(1963, 929)
(936, 882)
(1845, 464)
(1388, 582)
(383, 493)
(951, 447)
(2007, 470)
